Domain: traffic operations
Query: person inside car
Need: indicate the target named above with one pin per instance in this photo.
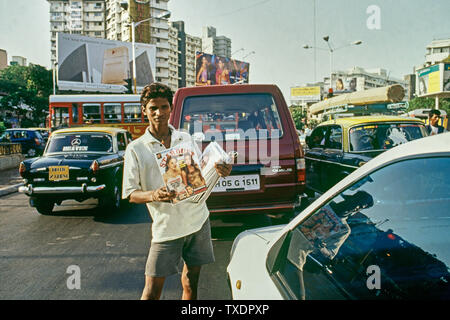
(433, 127)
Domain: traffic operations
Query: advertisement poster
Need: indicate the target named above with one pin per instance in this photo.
(180, 170)
(344, 84)
(447, 77)
(305, 93)
(94, 64)
(428, 80)
(216, 70)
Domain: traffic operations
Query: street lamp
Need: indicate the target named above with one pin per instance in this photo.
(241, 49)
(55, 76)
(331, 50)
(248, 54)
(134, 25)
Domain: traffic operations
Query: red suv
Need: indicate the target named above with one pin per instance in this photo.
(269, 173)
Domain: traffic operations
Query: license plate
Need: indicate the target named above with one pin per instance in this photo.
(58, 173)
(237, 183)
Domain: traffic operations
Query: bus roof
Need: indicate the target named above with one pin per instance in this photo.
(94, 98)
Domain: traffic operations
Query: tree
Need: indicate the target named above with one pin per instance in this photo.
(299, 116)
(429, 103)
(29, 86)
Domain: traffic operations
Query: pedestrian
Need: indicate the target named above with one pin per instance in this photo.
(179, 231)
(433, 126)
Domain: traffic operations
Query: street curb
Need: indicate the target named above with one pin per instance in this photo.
(10, 189)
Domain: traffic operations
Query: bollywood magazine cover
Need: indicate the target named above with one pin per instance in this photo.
(180, 170)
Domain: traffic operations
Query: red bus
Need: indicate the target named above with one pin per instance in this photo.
(105, 110)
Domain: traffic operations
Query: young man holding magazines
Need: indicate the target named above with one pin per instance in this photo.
(180, 228)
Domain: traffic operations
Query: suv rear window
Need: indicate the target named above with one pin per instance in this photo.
(381, 136)
(85, 142)
(232, 117)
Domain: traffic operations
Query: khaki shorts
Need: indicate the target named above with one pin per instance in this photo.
(195, 249)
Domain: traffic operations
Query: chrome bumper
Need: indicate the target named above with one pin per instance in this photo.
(84, 188)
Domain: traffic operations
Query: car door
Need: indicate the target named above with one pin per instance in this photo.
(314, 158)
(333, 169)
(383, 237)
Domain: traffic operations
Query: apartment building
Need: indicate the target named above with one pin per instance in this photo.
(188, 46)
(174, 55)
(193, 45)
(3, 59)
(437, 51)
(155, 31)
(84, 17)
(213, 44)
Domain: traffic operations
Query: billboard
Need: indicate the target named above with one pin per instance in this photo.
(344, 84)
(212, 69)
(95, 64)
(433, 80)
(305, 93)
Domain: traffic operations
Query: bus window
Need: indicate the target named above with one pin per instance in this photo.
(60, 117)
(132, 112)
(112, 112)
(91, 113)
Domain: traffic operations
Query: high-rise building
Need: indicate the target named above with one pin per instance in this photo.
(174, 65)
(154, 31)
(188, 46)
(193, 45)
(84, 17)
(3, 59)
(213, 44)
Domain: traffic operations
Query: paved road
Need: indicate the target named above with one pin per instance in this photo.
(109, 249)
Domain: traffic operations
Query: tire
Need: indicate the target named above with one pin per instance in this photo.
(44, 207)
(112, 201)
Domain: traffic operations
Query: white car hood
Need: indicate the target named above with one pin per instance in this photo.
(267, 234)
(248, 264)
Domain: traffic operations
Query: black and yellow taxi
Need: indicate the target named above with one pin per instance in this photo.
(78, 163)
(338, 147)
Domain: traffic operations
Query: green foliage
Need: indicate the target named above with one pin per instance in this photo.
(30, 86)
(298, 115)
(428, 103)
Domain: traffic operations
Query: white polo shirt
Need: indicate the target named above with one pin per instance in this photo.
(141, 172)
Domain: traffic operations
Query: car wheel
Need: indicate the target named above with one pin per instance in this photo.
(44, 207)
(113, 200)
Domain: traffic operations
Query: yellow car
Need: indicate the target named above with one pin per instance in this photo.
(338, 147)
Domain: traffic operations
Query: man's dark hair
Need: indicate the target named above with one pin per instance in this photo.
(434, 111)
(156, 90)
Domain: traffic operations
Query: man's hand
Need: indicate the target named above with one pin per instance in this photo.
(163, 195)
(223, 169)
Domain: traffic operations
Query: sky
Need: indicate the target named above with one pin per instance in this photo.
(276, 30)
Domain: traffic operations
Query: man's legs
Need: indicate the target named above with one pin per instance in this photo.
(153, 288)
(189, 281)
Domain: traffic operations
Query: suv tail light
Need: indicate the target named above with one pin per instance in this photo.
(94, 166)
(301, 169)
(22, 169)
